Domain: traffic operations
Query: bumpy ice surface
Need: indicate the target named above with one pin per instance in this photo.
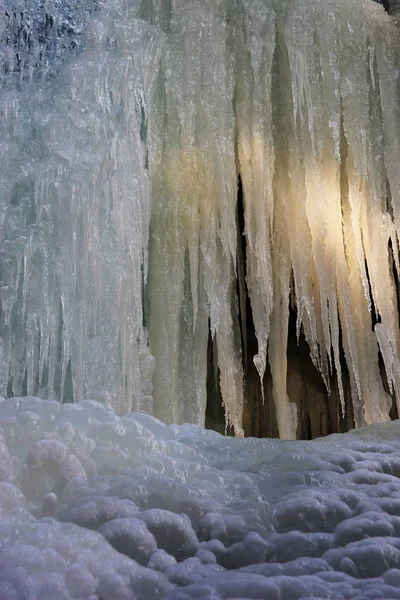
(100, 507)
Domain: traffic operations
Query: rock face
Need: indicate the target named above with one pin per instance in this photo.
(395, 9)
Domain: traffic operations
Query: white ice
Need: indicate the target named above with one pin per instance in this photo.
(94, 506)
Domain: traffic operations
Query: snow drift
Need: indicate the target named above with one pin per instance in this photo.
(99, 507)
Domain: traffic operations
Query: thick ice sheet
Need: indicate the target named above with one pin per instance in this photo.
(124, 127)
(100, 507)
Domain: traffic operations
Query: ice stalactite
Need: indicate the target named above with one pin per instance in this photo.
(119, 202)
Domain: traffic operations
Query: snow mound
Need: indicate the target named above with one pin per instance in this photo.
(99, 507)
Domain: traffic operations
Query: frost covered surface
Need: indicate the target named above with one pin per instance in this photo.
(124, 126)
(100, 507)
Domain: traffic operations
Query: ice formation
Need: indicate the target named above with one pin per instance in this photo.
(124, 128)
(94, 506)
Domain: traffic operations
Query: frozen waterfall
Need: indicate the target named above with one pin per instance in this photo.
(124, 128)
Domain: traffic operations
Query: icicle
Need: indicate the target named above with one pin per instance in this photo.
(256, 159)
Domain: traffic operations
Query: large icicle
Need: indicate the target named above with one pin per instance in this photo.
(257, 160)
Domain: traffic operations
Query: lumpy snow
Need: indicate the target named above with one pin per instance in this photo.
(94, 506)
(124, 128)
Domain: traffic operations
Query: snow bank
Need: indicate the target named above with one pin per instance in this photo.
(100, 507)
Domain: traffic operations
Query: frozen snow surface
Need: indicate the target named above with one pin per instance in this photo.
(94, 506)
(124, 126)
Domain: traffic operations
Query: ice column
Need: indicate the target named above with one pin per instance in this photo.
(193, 224)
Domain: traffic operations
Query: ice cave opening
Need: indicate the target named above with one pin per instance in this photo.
(199, 243)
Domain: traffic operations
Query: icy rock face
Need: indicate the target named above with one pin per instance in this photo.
(395, 7)
(179, 513)
(36, 37)
(120, 160)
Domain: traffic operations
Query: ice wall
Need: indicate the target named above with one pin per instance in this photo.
(75, 211)
(121, 158)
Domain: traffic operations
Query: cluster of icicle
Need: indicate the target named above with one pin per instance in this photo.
(119, 202)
